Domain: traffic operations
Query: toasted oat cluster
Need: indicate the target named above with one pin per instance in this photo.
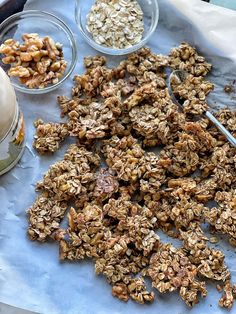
(193, 91)
(49, 136)
(37, 62)
(119, 194)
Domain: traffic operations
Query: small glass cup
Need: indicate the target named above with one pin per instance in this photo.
(44, 24)
(150, 17)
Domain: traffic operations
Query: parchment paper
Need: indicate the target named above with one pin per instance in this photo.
(31, 276)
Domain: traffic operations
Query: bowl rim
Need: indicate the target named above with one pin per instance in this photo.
(114, 51)
(53, 19)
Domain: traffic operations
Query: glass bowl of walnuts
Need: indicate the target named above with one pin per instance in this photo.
(37, 51)
(117, 27)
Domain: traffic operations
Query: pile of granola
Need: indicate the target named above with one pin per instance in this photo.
(119, 194)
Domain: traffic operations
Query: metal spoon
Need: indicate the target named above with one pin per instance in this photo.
(180, 76)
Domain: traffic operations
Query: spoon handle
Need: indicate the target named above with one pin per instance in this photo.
(221, 128)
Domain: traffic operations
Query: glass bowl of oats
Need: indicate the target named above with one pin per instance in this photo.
(37, 50)
(117, 27)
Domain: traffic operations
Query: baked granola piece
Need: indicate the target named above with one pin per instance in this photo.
(228, 118)
(123, 156)
(228, 296)
(185, 211)
(186, 58)
(71, 176)
(118, 264)
(205, 190)
(183, 155)
(91, 121)
(146, 93)
(170, 270)
(136, 222)
(91, 83)
(157, 119)
(209, 261)
(192, 92)
(204, 139)
(45, 216)
(86, 233)
(147, 67)
(176, 207)
(221, 165)
(48, 136)
(136, 290)
(223, 217)
(67, 104)
(154, 172)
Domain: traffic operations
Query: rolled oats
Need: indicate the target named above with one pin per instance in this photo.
(117, 23)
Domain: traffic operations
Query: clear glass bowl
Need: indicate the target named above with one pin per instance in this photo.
(150, 15)
(45, 24)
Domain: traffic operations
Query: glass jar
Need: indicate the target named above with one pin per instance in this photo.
(12, 130)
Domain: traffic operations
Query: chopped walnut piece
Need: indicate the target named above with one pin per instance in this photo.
(106, 184)
(120, 291)
(38, 62)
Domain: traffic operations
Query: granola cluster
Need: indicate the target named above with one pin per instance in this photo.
(119, 194)
(192, 91)
(37, 62)
(49, 136)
